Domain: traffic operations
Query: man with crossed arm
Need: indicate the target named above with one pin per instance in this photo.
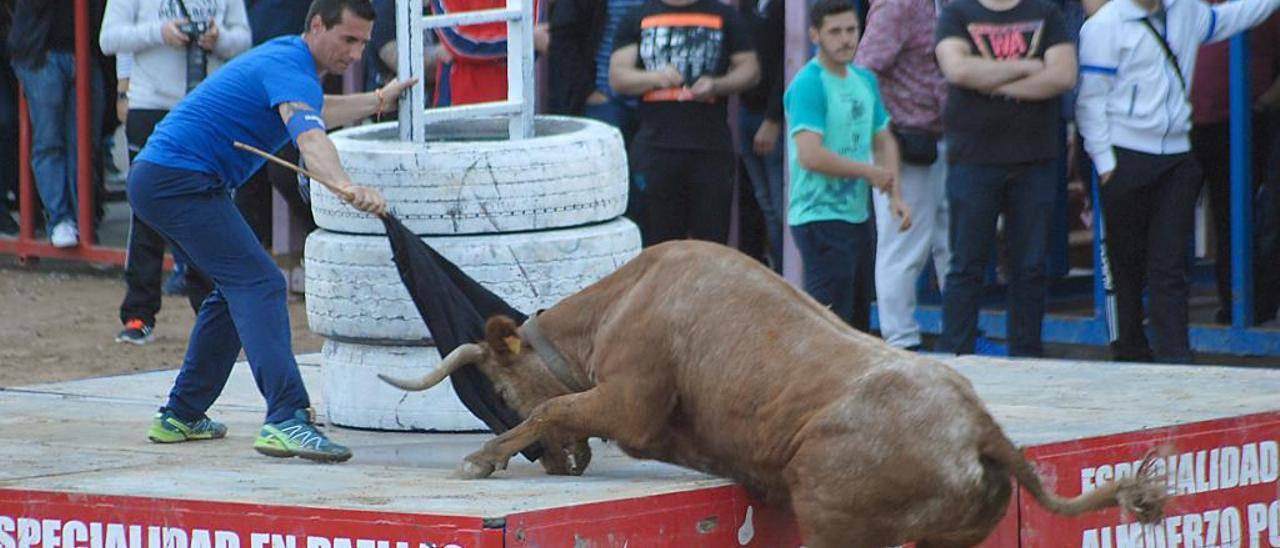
(1008, 62)
(181, 185)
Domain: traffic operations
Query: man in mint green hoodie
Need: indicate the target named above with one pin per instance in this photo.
(840, 145)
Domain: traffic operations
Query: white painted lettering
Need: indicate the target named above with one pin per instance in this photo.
(73, 533)
(116, 537)
(1086, 480)
(226, 539)
(1229, 525)
(1193, 531)
(200, 538)
(28, 532)
(7, 528)
(284, 541)
(50, 529)
(1249, 464)
(1202, 471)
(1186, 475)
(1269, 461)
(259, 540)
(1256, 519)
(1230, 467)
(1172, 531)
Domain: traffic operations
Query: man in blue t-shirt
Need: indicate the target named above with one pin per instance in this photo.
(181, 185)
(840, 142)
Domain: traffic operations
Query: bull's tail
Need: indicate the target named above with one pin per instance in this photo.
(1144, 495)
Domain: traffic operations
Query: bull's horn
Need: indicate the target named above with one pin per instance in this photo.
(463, 355)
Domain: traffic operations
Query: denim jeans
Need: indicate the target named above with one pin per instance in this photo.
(765, 173)
(248, 307)
(838, 267)
(977, 195)
(51, 98)
(8, 135)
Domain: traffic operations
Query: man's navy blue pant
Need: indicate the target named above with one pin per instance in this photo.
(195, 212)
(839, 267)
(977, 195)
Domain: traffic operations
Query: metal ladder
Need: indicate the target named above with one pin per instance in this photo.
(410, 37)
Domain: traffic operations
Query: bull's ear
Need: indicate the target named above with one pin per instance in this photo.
(501, 336)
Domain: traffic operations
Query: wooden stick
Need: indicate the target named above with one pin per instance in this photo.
(341, 192)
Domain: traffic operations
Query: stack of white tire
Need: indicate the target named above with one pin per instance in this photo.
(531, 220)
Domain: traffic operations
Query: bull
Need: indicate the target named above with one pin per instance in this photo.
(696, 355)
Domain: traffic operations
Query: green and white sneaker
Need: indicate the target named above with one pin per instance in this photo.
(298, 437)
(168, 428)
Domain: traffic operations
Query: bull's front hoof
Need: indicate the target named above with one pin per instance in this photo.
(476, 470)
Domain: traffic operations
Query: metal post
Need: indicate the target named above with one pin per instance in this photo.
(797, 54)
(520, 67)
(26, 182)
(409, 50)
(84, 137)
(1241, 185)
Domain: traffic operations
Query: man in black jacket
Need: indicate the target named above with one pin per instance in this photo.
(581, 41)
(8, 124)
(43, 58)
(760, 119)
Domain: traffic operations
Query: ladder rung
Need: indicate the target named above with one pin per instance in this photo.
(497, 108)
(470, 18)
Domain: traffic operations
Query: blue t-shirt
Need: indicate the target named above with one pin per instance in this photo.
(847, 112)
(237, 103)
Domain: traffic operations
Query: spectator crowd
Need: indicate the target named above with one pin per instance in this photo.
(927, 142)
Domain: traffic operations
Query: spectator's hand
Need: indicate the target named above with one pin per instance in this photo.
(900, 210)
(667, 77)
(597, 98)
(171, 35)
(1268, 101)
(704, 88)
(443, 56)
(210, 36)
(880, 179)
(367, 199)
(541, 37)
(1105, 177)
(766, 138)
(395, 87)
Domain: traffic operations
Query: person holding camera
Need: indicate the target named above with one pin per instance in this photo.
(174, 45)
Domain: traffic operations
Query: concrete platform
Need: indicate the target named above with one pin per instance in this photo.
(79, 449)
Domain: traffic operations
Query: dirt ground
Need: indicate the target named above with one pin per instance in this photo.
(59, 321)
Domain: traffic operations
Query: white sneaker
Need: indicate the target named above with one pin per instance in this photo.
(64, 234)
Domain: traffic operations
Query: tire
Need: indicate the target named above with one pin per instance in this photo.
(471, 180)
(354, 292)
(355, 397)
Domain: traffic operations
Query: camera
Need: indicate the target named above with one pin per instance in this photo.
(197, 60)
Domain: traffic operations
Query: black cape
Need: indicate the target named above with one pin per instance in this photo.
(455, 308)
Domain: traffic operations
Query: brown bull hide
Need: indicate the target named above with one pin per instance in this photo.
(696, 355)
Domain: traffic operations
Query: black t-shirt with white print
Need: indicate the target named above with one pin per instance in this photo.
(986, 129)
(697, 40)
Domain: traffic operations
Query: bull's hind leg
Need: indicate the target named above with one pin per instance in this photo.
(593, 413)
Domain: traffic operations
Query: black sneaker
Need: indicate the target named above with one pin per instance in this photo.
(135, 332)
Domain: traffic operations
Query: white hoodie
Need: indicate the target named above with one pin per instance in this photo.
(1130, 96)
(159, 76)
